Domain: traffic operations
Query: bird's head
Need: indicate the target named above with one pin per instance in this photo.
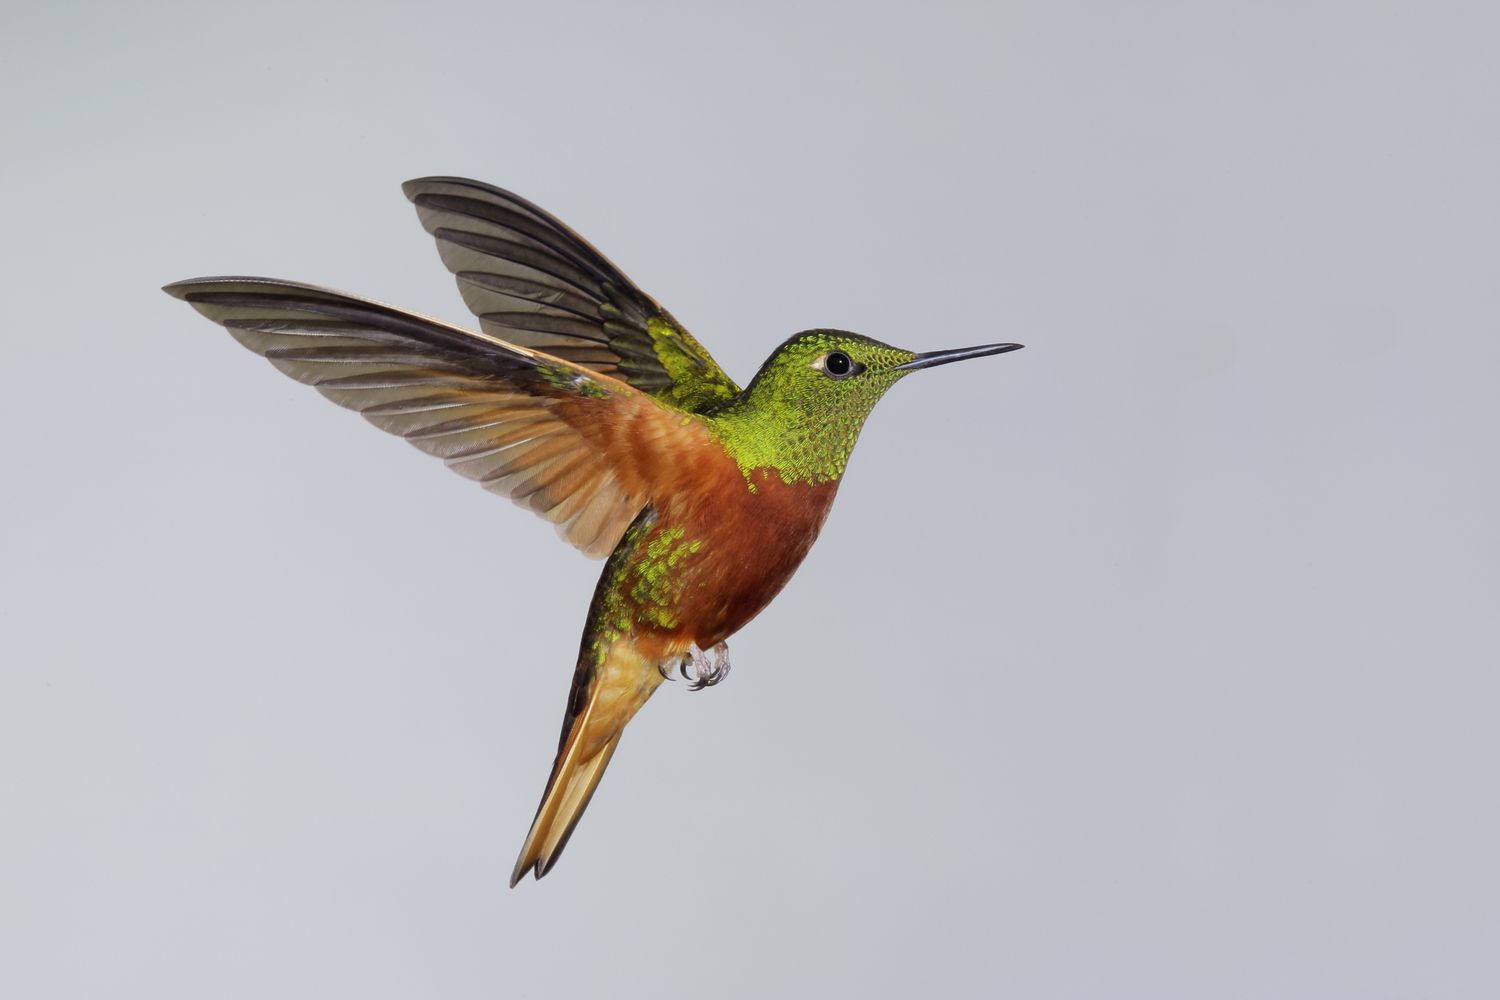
(804, 409)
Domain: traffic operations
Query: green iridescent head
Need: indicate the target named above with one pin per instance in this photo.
(803, 411)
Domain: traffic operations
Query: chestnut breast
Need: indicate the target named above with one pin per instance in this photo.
(752, 542)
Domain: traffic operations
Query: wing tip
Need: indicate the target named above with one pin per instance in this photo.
(184, 288)
(181, 289)
(422, 185)
(413, 187)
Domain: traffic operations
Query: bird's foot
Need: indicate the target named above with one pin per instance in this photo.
(704, 669)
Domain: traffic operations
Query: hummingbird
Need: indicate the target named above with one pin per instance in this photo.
(584, 400)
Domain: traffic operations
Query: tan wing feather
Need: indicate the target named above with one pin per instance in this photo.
(523, 424)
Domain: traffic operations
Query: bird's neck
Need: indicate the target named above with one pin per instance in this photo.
(799, 446)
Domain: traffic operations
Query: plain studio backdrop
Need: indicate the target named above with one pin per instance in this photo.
(1158, 659)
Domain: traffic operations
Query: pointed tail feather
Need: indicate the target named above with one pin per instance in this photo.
(563, 803)
(609, 693)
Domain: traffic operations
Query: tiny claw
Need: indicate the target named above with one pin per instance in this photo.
(706, 671)
(699, 661)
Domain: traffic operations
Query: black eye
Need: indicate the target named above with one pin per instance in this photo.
(838, 365)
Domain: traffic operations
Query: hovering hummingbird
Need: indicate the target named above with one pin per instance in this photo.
(587, 402)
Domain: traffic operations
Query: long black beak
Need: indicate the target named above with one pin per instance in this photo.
(932, 358)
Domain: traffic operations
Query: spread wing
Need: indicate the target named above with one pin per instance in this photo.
(573, 445)
(533, 281)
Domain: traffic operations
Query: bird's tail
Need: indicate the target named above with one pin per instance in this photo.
(604, 698)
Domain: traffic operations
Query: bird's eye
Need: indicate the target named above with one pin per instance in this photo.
(839, 365)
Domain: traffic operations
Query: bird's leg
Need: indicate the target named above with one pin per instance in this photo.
(708, 668)
(698, 661)
(721, 661)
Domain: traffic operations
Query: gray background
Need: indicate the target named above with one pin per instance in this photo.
(1156, 660)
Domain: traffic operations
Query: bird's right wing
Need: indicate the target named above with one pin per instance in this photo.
(533, 281)
(582, 449)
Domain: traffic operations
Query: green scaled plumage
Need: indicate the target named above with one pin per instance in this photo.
(799, 420)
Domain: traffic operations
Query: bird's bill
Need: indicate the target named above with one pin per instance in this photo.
(933, 358)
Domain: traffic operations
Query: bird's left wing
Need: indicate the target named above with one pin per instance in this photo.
(531, 280)
(577, 447)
